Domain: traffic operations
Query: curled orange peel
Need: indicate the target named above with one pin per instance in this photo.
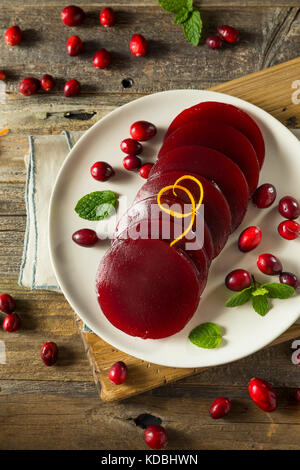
(4, 131)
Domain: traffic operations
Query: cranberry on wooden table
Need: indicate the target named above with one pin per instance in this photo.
(289, 229)
(107, 17)
(142, 130)
(132, 162)
(145, 170)
(289, 207)
(263, 395)
(138, 45)
(297, 395)
(228, 33)
(264, 196)
(49, 353)
(220, 408)
(238, 279)
(74, 45)
(47, 82)
(85, 237)
(249, 239)
(11, 323)
(29, 86)
(131, 147)
(269, 264)
(72, 15)
(7, 303)
(156, 437)
(102, 59)
(214, 42)
(118, 373)
(289, 278)
(72, 88)
(2, 75)
(13, 36)
(102, 171)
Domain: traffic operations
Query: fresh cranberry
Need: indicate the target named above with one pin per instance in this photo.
(131, 147)
(156, 437)
(142, 130)
(107, 17)
(220, 408)
(47, 82)
(74, 45)
(238, 279)
(2, 75)
(228, 33)
(264, 196)
(289, 207)
(118, 373)
(102, 171)
(289, 229)
(72, 15)
(13, 36)
(269, 264)
(11, 323)
(85, 237)
(289, 278)
(214, 42)
(297, 395)
(145, 170)
(132, 162)
(263, 394)
(249, 239)
(138, 45)
(72, 88)
(29, 86)
(7, 303)
(102, 59)
(49, 353)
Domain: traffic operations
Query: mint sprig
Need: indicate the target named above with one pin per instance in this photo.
(187, 15)
(206, 335)
(97, 205)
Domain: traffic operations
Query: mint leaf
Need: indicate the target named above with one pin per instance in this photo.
(277, 290)
(192, 28)
(207, 335)
(174, 6)
(260, 304)
(97, 205)
(181, 16)
(240, 298)
(260, 291)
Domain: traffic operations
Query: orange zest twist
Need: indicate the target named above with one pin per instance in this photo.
(4, 131)
(192, 199)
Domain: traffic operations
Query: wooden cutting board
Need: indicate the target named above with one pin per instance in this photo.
(275, 91)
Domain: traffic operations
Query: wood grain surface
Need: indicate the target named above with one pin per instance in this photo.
(58, 407)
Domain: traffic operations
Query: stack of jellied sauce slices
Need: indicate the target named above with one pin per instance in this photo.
(148, 286)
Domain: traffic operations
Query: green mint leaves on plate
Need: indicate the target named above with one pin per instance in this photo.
(187, 15)
(259, 295)
(206, 335)
(97, 205)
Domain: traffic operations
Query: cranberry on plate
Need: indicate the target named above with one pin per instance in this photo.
(132, 162)
(13, 36)
(289, 278)
(107, 17)
(29, 86)
(138, 45)
(289, 207)
(102, 171)
(11, 323)
(264, 196)
(85, 237)
(131, 147)
(72, 15)
(49, 353)
(72, 88)
(238, 280)
(118, 373)
(7, 303)
(47, 82)
(249, 239)
(145, 170)
(269, 264)
(220, 408)
(289, 229)
(156, 437)
(142, 130)
(74, 45)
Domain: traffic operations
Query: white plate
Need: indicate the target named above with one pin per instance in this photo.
(75, 267)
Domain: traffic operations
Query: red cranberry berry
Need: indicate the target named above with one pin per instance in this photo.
(107, 17)
(264, 196)
(102, 171)
(289, 229)
(74, 45)
(156, 437)
(13, 36)
(145, 170)
(85, 237)
(47, 82)
(49, 353)
(238, 279)
(214, 42)
(289, 207)
(220, 408)
(289, 278)
(11, 323)
(72, 15)
(118, 373)
(29, 86)
(138, 45)
(132, 162)
(142, 130)
(297, 395)
(263, 394)
(131, 147)
(2, 75)
(269, 264)
(249, 239)
(72, 88)
(102, 59)
(228, 33)
(7, 303)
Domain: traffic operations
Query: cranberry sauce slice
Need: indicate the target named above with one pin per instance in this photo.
(214, 166)
(216, 209)
(147, 288)
(221, 137)
(228, 114)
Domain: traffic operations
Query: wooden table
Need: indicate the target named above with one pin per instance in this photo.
(59, 407)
